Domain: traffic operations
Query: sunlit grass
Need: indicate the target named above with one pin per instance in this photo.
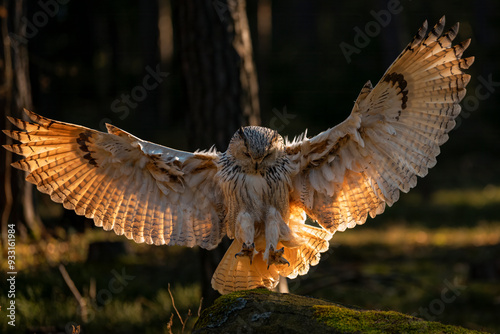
(143, 305)
(489, 195)
(71, 247)
(402, 234)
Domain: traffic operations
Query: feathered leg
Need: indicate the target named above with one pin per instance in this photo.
(245, 231)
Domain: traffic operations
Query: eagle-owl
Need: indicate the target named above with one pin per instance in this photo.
(260, 190)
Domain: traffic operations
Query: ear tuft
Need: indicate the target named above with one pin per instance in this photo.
(241, 132)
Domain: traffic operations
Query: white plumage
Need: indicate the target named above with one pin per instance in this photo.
(260, 190)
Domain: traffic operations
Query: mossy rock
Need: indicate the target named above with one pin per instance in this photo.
(262, 311)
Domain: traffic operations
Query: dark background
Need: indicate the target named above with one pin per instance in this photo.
(92, 52)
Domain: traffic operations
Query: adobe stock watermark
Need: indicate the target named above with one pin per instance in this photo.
(139, 93)
(280, 119)
(115, 286)
(222, 8)
(371, 29)
(104, 296)
(296, 282)
(470, 103)
(48, 10)
(12, 273)
(436, 307)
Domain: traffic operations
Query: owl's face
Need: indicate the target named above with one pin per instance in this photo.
(256, 148)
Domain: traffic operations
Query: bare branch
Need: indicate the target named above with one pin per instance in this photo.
(170, 324)
(173, 304)
(81, 301)
(199, 308)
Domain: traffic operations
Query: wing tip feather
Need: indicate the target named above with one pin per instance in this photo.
(13, 120)
(8, 133)
(468, 62)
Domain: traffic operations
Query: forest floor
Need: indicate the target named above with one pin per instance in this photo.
(439, 270)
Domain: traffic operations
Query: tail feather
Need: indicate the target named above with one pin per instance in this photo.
(236, 273)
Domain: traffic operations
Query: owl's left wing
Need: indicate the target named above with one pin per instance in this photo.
(149, 193)
(392, 135)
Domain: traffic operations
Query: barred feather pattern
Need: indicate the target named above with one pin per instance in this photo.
(147, 192)
(392, 135)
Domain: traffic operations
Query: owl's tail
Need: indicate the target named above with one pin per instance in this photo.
(236, 273)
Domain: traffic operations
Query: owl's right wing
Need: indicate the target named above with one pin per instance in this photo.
(392, 135)
(149, 193)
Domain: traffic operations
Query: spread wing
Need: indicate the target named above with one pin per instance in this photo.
(392, 135)
(149, 193)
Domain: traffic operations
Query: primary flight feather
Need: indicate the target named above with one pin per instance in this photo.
(260, 190)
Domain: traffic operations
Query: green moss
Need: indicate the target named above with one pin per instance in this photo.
(225, 305)
(348, 320)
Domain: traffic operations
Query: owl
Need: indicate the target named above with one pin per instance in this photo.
(260, 191)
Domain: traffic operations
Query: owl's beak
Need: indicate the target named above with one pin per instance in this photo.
(257, 162)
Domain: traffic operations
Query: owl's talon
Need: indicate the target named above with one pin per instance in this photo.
(276, 257)
(246, 250)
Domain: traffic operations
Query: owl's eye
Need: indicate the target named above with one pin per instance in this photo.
(246, 154)
(266, 156)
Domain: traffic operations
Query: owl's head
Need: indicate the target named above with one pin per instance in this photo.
(256, 148)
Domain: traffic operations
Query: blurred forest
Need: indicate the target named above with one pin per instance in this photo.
(435, 254)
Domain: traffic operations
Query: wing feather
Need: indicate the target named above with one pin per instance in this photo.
(148, 192)
(113, 208)
(108, 202)
(392, 135)
(96, 199)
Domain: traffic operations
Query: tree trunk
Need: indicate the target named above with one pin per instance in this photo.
(16, 195)
(220, 85)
